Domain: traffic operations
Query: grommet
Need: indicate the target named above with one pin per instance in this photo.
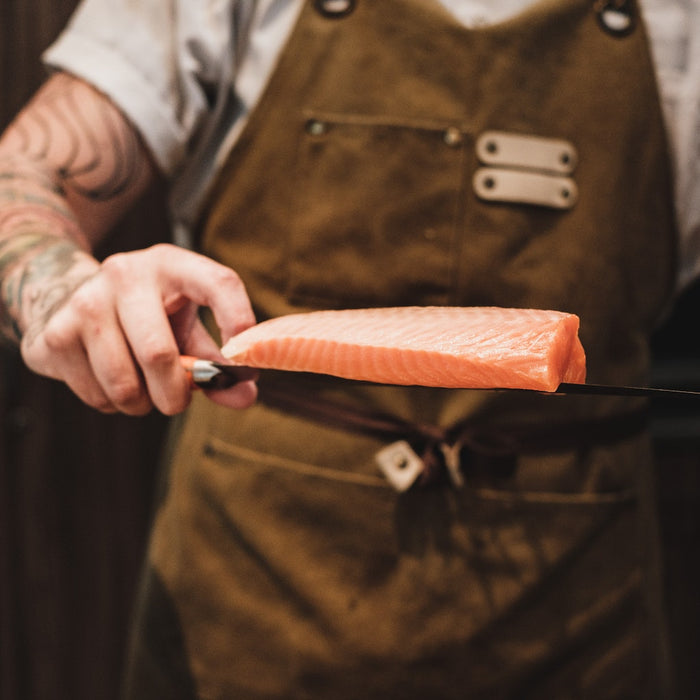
(335, 9)
(315, 127)
(616, 17)
(400, 465)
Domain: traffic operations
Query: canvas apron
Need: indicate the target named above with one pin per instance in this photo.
(380, 169)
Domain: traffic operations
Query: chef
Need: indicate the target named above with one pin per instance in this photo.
(347, 154)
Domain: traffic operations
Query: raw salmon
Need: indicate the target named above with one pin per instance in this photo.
(458, 347)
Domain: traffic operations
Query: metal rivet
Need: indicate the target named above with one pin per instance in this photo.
(565, 158)
(489, 183)
(491, 147)
(566, 193)
(316, 127)
(616, 17)
(452, 136)
(335, 8)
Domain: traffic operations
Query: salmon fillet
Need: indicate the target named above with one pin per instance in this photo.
(457, 347)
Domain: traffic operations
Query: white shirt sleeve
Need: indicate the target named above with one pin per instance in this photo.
(160, 61)
(187, 73)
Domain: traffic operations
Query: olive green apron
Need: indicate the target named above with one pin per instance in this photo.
(399, 158)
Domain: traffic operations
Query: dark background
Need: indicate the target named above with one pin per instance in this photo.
(76, 487)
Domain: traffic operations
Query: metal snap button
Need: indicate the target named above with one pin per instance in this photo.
(335, 8)
(452, 136)
(315, 127)
(616, 17)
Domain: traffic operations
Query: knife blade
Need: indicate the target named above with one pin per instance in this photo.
(613, 390)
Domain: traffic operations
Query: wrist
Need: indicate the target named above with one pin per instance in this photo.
(38, 273)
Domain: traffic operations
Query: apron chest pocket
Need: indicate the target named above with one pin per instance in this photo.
(376, 211)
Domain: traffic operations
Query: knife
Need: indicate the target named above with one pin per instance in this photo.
(210, 374)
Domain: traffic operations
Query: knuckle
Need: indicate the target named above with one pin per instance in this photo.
(57, 336)
(87, 303)
(102, 405)
(126, 393)
(159, 249)
(226, 277)
(155, 353)
(173, 406)
(116, 266)
(140, 409)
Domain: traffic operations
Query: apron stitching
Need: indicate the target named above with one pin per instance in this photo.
(218, 446)
(355, 118)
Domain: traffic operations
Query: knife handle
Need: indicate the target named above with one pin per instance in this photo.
(209, 374)
(188, 363)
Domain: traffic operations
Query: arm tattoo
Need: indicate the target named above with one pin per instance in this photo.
(27, 262)
(90, 146)
(59, 264)
(69, 157)
(40, 243)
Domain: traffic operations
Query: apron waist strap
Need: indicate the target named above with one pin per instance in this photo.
(482, 439)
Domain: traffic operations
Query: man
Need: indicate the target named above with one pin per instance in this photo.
(340, 153)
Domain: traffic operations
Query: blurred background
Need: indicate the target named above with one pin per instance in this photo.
(76, 487)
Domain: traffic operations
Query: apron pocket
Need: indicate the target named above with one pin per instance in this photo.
(375, 213)
(295, 574)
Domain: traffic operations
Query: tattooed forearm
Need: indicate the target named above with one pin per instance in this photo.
(70, 166)
(91, 147)
(39, 238)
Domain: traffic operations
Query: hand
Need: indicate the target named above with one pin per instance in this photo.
(116, 340)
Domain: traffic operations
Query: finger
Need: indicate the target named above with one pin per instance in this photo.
(174, 280)
(184, 324)
(91, 310)
(241, 395)
(58, 354)
(155, 349)
(210, 284)
(199, 343)
(115, 369)
(82, 381)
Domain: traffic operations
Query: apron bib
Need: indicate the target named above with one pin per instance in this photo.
(399, 158)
